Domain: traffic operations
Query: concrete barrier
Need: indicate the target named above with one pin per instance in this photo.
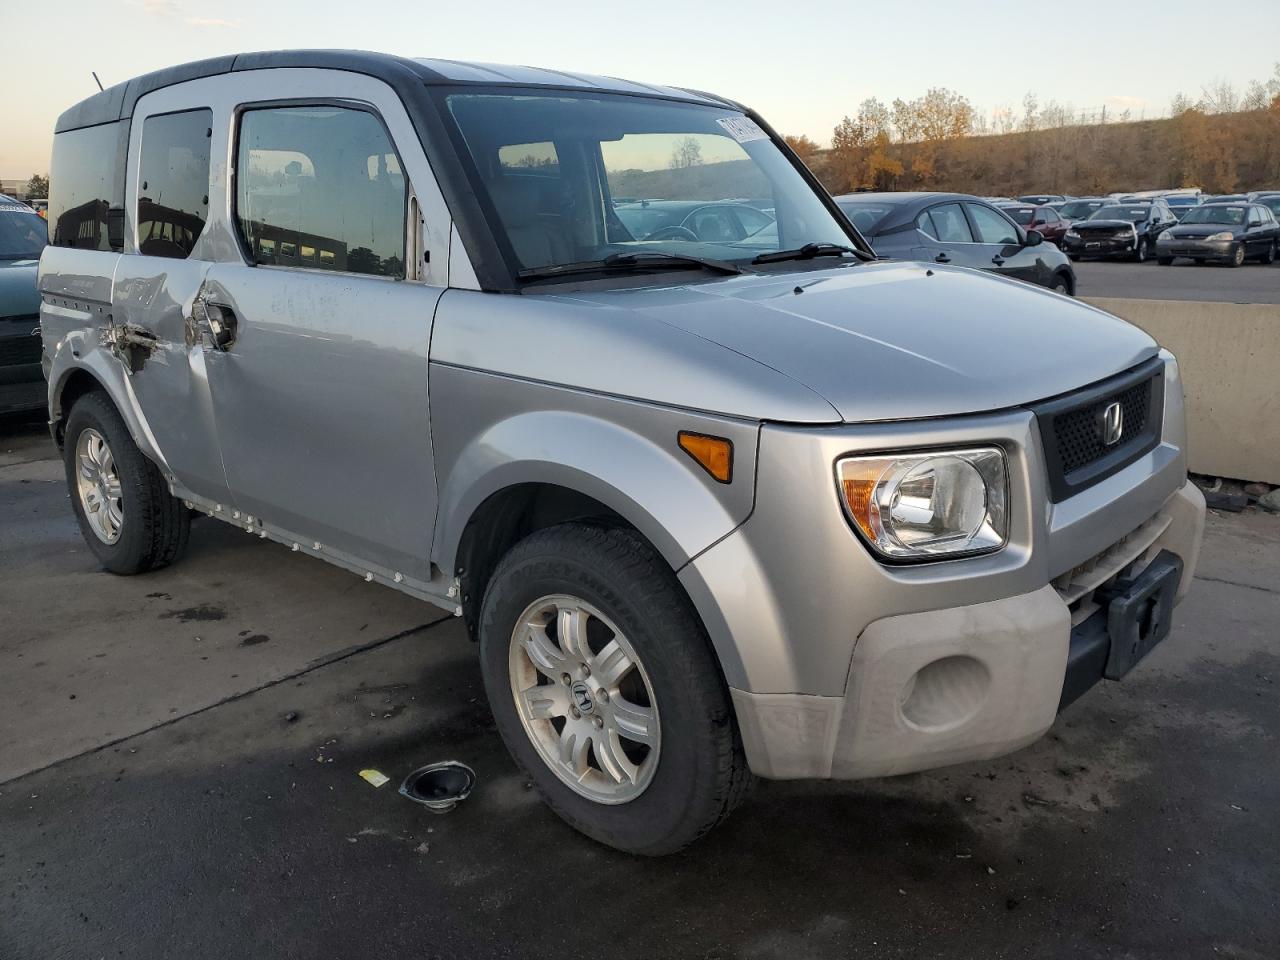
(1229, 355)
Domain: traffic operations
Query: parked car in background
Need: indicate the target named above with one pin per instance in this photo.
(1228, 198)
(1081, 208)
(1040, 217)
(1181, 203)
(1271, 201)
(1125, 230)
(22, 236)
(957, 229)
(1042, 198)
(1230, 232)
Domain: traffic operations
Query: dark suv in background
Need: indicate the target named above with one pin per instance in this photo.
(958, 229)
(23, 234)
(1127, 230)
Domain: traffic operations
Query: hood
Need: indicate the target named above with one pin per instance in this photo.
(1104, 224)
(18, 294)
(894, 341)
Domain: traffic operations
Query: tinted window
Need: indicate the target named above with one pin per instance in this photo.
(86, 187)
(320, 187)
(1048, 215)
(991, 227)
(949, 224)
(173, 185)
(1223, 214)
(865, 216)
(1132, 214)
(924, 223)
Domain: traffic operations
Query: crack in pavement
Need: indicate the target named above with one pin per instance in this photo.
(1236, 583)
(311, 667)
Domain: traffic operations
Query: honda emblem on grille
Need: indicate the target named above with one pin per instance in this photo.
(1112, 424)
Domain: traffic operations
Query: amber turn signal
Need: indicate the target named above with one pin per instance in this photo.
(714, 454)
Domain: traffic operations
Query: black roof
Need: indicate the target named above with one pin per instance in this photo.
(118, 101)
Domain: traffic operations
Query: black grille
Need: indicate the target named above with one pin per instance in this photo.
(1102, 233)
(23, 348)
(1078, 432)
(1072, 429)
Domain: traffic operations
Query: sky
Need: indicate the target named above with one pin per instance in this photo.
(802, 65)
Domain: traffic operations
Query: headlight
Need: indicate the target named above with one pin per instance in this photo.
(1224, 235)
(924, 506)
(1072, 234)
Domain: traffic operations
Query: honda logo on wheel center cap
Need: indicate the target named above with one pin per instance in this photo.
(582, 697)
(1112, 424)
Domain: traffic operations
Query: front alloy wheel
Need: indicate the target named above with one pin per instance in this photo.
(584, 699)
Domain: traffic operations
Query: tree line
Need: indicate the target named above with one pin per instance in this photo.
(1221, 141)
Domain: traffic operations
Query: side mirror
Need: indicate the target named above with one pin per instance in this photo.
(1034, 238)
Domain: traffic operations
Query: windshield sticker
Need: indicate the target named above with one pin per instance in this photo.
(742, 129)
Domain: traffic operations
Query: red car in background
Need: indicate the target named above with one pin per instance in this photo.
(1033, 216)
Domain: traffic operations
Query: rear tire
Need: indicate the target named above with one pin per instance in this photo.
(1270, 256)
(129, 519)
(609, 585)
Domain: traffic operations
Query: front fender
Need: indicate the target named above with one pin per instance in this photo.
(621, 453)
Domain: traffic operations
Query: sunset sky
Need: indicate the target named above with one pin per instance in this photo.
(804, 66)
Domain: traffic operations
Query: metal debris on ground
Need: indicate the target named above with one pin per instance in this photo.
(439, 786)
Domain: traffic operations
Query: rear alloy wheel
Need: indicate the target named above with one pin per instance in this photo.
(605, 689)
(128, 518)
(1237, 255)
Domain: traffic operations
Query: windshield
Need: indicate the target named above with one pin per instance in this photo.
(1181, 201)
(1132, 214)
(22, 235)
(575, 178)
(1079, 209)
(1021, 215)
(1230, 215)
(1272, 203)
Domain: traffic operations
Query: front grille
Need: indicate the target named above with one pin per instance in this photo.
(21, 347)
(1072, 428)
(1105, 233)
(1077, 434)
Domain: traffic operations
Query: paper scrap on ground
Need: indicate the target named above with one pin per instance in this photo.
(375, 777)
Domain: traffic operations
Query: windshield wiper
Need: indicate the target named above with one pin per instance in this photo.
(631, 261)
(808, 252)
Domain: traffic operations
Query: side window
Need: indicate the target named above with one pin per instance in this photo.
(86, 187)
(1048, 215)
(991, 227)
(751, 220)
(924, 223)
(320, 187)
(173, 183)
(949, 224)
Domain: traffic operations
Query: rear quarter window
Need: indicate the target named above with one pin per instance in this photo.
(86, 187)
(173, 188)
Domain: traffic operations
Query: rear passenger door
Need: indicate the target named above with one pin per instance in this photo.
(337, 252)
(168, 252)
(947, 237)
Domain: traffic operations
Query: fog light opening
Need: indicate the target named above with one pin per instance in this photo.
(946, 693)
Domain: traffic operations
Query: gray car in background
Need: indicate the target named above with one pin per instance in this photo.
(959, 230)
(714, 503)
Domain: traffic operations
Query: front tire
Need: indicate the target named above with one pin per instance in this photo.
(606, 692)
(129, 519)
(1140, 253)
(1237, 256)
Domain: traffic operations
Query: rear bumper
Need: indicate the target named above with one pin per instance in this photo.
(962, 683)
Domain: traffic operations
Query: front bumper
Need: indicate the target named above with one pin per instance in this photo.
(1101, 247)
(962, 683)
(1196, 249)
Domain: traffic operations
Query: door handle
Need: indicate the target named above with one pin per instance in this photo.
(998, 260)
(218, 320)
(942, 258)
